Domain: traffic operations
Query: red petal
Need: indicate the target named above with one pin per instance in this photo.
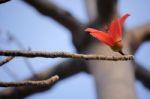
(123, 18)
(102, 36)
(115, 30)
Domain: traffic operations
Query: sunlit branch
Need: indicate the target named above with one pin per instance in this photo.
(30, 83)
(6, 60)
(45, 54)
(64, 69)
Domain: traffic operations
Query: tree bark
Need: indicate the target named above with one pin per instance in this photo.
(114, 80)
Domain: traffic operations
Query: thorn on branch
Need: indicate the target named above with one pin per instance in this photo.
(6, 60)
(32, 54)
(30, 83)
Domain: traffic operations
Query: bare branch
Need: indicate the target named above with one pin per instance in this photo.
(64, 70)
(142, 75)
(33, 54)
(30, 83)
(6, 60)
(138, 35)
(49, 9)
(21, 47)
(62, 16)
(3, 1)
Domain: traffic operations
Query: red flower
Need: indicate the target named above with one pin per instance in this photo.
(113, 37)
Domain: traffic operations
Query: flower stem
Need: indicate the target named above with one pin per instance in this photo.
(121, 52)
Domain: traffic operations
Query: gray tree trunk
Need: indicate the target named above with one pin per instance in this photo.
(114, 80)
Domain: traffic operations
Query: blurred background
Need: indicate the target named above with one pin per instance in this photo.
(22, 27)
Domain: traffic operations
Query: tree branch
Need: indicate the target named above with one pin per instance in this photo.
(26, 92)
(6, 60)
(138, 35)
(30, 83)
(33, 54)
(62, 16)
(142, 75)
(49, 9)
(21, 47)
(64, 70)
(3, 1)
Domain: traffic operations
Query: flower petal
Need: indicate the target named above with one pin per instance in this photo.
(123, 18)
(115, 30)
(102, 36)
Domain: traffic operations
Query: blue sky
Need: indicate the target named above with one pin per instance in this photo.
(41, 33)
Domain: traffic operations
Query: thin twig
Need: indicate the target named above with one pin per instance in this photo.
(64, 69)
(22, 47)
(11, 73)
(33, 54)
(30, 83)
(6, 60)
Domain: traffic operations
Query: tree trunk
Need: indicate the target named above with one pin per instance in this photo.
(114, 80)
